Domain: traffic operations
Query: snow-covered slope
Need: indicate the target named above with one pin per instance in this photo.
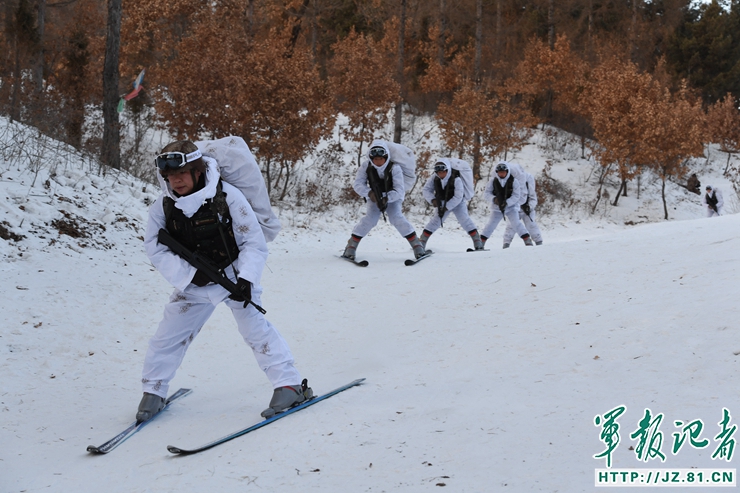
(484, 371)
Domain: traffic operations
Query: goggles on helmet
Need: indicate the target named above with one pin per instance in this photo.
(440, 167)
(502, 167)
(175, 160)
(709, 189)
(377, 152)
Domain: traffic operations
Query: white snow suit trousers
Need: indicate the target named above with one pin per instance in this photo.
(512, 214)
(461, 213)
(394, 214)
(185, 315)
(711, 212)
(529, 223)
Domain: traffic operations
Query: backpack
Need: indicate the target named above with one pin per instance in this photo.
(466, 175)
(402, 156)
(238, 167)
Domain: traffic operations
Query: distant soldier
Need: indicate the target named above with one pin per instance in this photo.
(380, 180)
(713, 201)
(504, 193)
(446, 191)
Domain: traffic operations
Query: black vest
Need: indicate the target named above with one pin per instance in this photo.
(503, 192)
(712, 200)
(448, 191)
(377, 184)
(204, 233)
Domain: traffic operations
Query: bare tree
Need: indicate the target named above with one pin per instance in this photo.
(397, 126)
(110, 154)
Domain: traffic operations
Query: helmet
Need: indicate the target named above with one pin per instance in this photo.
(709, 188)
(502, 167)
(377, 152)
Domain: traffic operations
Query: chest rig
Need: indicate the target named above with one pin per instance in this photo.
(503, 192)
(378, 184)
(447, 192)
(208, 232)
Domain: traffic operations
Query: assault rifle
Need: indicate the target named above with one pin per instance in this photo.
(441, 209)
(203, 264)
(377, 189)
(526, 209)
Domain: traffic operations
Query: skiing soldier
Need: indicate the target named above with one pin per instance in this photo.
(526, 212)
(215, 220)
(381, 182)
(445, 190)
(504, 193)
(713, 201)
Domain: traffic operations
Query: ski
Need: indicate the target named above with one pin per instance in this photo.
(128, 432)
(479, 250)
(413, 261)
(303, 405)
(358, 263)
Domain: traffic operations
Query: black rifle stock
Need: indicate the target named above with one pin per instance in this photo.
(203, 264)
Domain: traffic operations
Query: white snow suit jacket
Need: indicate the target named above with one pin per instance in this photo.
(247, 231)
(512, 202)
(362, 186)
(530, 190)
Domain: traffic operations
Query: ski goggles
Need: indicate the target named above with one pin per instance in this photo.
(175, 160)
(440, 167)
(377, 152)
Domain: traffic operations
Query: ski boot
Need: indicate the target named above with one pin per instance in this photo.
(150, 405)
(286, 397)
(477, 240)
(419, 250)
(351, 248)
(527, 240)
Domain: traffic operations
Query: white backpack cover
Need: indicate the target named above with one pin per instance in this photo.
(239, 168)
(466, 175)
(403, 156)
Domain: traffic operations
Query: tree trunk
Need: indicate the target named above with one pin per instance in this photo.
(622, 188)
(111, 152)
(442, 31)
(498, 30)
(476, 157)
(727, 166)
(665, 206)
(397, 124)
(249, 14)
(478, 39)
(551, 25)
(15, 111)
(633, 33)
(38, 69)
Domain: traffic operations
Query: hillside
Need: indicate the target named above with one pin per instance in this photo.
(484, 371)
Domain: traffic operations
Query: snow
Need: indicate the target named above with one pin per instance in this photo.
(485, 371)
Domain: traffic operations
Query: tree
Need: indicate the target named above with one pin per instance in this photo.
(500, 125)
(673, 130)
(111, 152)
(362, 90)
(616, 101)
(723, 126)
(705, 50)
